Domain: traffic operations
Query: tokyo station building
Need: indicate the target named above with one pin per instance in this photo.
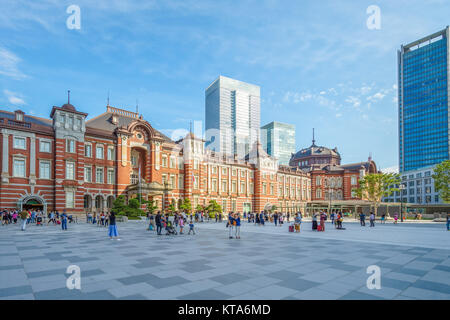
(80, 165)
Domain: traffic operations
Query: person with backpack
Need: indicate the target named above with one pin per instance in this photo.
(24, 217)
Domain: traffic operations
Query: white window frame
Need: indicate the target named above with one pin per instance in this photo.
(70, 201)
(97, 169)
(90, 148)
(15, 173)
(44, 142)
(73, 172)
(68, 144)
(110, 179)
(97, 147)
(19, 138)
(164, 161)
(41, 176)
(110, 153)
(85, 175)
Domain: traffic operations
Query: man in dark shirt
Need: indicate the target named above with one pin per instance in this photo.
(362, 219)
(158, 223)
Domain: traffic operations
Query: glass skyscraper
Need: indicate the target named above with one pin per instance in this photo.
(424, 113)
(232, 116)
(278, 140)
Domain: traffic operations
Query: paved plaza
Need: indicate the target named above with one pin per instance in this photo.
(266, 263)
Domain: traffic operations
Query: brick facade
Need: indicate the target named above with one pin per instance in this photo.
(88, 163)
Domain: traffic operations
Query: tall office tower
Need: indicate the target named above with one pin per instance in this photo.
(423, 99)
(278, 140)
(232, 113)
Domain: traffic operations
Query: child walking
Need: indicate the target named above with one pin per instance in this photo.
(191, 227)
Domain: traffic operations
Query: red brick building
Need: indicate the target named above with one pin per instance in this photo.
(79, 164)
(328, 177)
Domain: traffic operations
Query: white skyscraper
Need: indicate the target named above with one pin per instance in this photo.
(232, 116)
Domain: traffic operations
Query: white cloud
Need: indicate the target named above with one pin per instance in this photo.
(376, 97)
(354, 101)
(14, 97)
(9, 65)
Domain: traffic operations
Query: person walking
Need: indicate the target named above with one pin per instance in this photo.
(323, 217)
(362, 219)
(24, 217)
(448, 221)
(237, 225)
(297, 222)
(158, 223)
(64, 220)
(191, 227)
(314, 221)
(383, 218)
(112, 230)
(372, 219)
(230, 225)
(395, 218)
(262, 218)
(181, 224)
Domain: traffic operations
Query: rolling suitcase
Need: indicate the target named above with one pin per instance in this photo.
(319, 228)
(291, 228)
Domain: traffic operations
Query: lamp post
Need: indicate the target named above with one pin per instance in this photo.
(401, 187)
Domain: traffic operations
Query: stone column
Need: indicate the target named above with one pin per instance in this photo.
(5, 162)
(33, 160)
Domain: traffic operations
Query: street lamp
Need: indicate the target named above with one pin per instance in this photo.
(401, 187)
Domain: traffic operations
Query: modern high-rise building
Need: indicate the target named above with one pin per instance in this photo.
(423, 98)
(232, 116)
(278, 140)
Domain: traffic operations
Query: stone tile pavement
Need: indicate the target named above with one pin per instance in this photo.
(266, 263)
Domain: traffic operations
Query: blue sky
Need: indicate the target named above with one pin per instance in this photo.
(317, 63)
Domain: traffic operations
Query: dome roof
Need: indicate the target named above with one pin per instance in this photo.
(68, 107)
(314, 150)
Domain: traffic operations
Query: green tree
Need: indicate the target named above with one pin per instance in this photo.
(441, 178)
(151, 207)
(212, 208)
(200, 208)
(186, 206)
(374, 186)
(171, 207)
(119, 205)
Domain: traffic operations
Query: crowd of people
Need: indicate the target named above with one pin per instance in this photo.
(36, 217)
(175, 223)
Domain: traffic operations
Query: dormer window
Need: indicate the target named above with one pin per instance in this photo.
(115, 119)
(19, 115)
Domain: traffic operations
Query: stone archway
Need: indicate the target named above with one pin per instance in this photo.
(32, 201)
(99, 203)
(110, 202)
